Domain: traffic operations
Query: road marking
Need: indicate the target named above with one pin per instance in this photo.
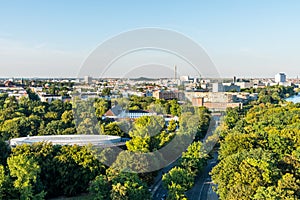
(154, 190)
(209, 190)
(202, 188)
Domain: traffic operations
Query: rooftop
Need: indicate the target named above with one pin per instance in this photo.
(97, 140)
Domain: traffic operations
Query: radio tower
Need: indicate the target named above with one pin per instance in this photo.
(175, 73)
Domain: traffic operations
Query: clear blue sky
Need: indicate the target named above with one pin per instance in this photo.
(247, 38)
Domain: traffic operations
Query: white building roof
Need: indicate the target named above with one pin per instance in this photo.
(80, 140)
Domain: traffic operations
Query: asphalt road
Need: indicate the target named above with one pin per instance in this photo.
(202, 189)
(158, 191)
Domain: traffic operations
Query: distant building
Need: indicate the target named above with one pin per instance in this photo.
(89, 95)
(8, 83)
(148, 93)
(117, 112)
(189, 79)
(198, 102)
(244, 85)
(168, 94)
(280, 78)
(223, 87)
(18, 95)
(217, 87)
(219, 101)
(133, 114)
(215, 106)
(259, 84)
(17, 92)
(49, 97)
(234, 79)
(221, 106)
(231, 87)
(184, 78)
(88, 80)
(114, 112)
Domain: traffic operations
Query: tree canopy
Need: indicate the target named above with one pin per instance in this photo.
(259, 154)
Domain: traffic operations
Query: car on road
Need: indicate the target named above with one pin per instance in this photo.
(163, 197)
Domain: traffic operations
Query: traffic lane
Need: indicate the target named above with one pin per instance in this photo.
(199, 187)
(161, 193)
(211, 194)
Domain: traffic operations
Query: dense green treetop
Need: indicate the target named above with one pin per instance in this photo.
(259, 153)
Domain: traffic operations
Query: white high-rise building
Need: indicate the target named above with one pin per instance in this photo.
(217, 87)
(88, 79)
(280, 78)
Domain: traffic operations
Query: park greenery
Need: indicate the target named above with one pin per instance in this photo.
(43, 170)
(259, 156)
(259, 148)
